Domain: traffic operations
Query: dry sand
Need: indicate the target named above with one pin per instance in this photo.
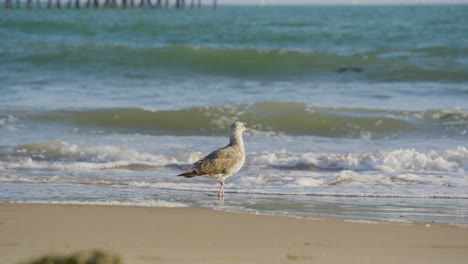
(194, 235)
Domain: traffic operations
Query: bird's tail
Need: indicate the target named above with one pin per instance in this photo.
(189, 174)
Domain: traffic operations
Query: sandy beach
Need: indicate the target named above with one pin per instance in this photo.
(193, 235)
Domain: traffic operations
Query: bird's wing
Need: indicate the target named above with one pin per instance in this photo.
(217, 161)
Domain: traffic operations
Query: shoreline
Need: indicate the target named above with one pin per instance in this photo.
(200, 235)
(300, 215)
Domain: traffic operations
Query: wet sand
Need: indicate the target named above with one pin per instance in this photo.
(194, 235)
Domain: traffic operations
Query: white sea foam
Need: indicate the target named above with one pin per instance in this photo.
(386, 173)
(455, 113)
(388, 161)
(7, 119)
(9, 123)
(309, 182)
(358, 221)
(30, 164)
(155, 203)
(60, 155)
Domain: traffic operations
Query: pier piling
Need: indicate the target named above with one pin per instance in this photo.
(180, 4)
(146, 4)
(110, 4)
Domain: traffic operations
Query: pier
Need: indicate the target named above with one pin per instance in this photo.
(123, 4)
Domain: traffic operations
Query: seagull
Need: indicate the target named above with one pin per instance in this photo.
(224, 162)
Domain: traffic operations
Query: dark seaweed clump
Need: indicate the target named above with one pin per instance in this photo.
(85, 257)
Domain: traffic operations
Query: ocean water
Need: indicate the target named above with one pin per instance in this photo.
(354, 111)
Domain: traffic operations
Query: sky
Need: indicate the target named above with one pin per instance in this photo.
(336, 2)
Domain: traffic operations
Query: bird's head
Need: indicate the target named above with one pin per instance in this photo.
(238, 127)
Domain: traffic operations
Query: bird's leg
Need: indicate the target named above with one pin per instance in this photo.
(221, 190)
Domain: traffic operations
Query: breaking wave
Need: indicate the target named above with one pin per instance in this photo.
(278, 117)
(393, 173)
(61, 155)
(398, 160)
